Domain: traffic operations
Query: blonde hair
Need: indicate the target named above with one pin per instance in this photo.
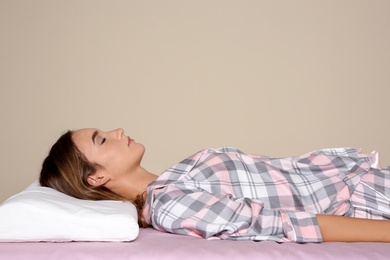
(66, 169)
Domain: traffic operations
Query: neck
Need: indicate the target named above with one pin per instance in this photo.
(133, 184)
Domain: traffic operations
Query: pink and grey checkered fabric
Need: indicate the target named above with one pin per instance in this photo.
(227, 194)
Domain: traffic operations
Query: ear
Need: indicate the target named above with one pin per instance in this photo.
(99, 178)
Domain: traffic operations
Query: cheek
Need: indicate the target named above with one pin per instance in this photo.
(110, 159)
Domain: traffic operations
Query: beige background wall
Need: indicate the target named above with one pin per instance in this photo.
(271, 77)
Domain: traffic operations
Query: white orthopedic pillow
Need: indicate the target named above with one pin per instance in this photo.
(44, 214)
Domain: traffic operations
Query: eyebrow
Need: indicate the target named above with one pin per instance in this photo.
(94, 136)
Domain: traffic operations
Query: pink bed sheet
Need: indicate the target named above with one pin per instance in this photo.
(152, 244)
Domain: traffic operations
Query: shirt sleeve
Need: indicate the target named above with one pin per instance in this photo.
(202, 214)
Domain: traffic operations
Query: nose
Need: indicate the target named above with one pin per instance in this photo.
(120, 132)
(116, 133)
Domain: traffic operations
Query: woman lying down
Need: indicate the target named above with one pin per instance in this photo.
(327, 195)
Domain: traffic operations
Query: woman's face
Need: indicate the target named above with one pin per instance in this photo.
(117, 154)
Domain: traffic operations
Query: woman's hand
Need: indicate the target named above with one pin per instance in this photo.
(347, 229)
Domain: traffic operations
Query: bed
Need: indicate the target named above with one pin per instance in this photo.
(41, 223)
(152, 244)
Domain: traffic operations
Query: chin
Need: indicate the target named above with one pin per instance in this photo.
(141, 148)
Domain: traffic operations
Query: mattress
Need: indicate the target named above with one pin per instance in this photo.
(152, 244)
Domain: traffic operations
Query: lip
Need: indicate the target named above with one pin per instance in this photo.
(129, 141)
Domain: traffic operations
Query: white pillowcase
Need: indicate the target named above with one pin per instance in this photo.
(44, 214)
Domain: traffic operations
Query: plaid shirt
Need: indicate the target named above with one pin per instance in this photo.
(227, 194)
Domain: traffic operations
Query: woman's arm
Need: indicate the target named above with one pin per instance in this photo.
(207, 215)
(347, 229)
